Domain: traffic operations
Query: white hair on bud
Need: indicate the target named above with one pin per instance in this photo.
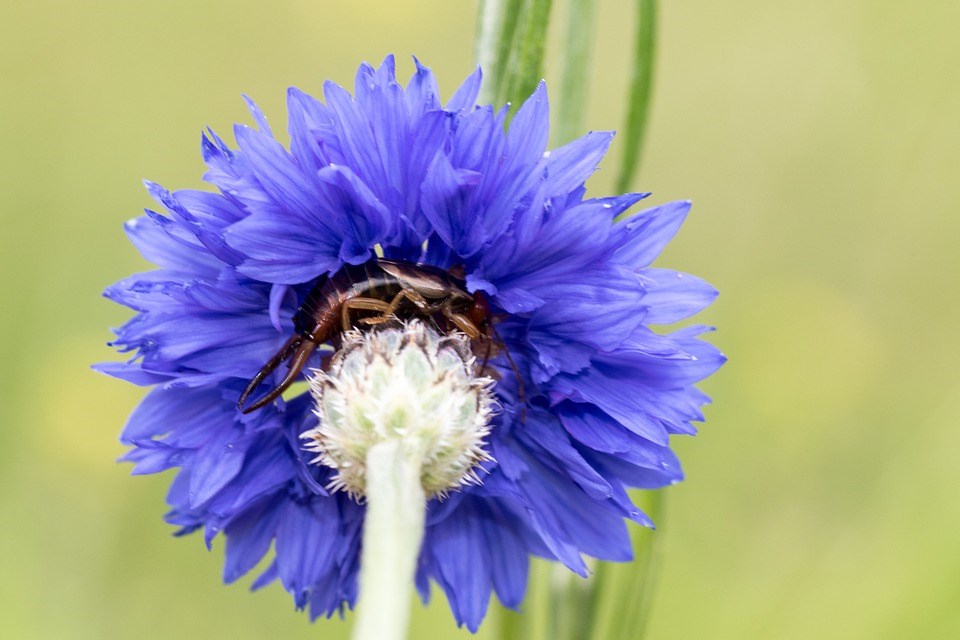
(409, 383)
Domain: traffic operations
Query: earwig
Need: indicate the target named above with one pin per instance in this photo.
(392, 290)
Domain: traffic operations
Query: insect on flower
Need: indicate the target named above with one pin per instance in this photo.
(393, 289)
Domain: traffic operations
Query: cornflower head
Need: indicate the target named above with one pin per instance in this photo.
(541, 322)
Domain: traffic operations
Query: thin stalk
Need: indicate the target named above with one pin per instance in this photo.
(571, 604)
(510, 40)
(577, 53)
(496, 24)
(392, 535)
(490, 20)
(625, 591)
(524, 67)
(638, 101)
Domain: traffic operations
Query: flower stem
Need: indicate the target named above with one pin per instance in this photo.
(392, 534)
(510, 42)
(624, 592)
(575, 78)
(641, 83)
(490, 25)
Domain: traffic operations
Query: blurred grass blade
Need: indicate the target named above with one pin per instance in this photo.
(536, 622)
(572, 602)
(496, 24)
(525, 67)
(577, 51)
(623, 593)
(511, 38)
(639, 97)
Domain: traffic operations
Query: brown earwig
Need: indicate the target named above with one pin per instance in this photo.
(389, 288)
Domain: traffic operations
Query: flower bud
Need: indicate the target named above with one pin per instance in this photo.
(402, 382)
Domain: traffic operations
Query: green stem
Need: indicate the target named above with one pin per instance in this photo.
(525, 63)
(641, 80)
(490, 23)
(577, 50)
(624, 592)
(496, 25)
(392, 535)
(510, 41)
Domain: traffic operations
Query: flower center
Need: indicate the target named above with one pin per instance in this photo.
(409, 383)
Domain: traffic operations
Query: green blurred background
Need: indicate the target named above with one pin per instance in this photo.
(820, 143)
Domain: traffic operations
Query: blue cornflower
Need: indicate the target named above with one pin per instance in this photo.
(568, 281)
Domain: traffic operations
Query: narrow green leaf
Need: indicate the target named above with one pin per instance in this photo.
(510, 624)
(538, 618)
(496, 26)
(572, 599)
(525, 62)
(638, 100)
(577, 50)
(623, 593)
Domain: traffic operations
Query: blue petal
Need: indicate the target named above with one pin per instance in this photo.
(447, 209)
(551, 446)
(281, 251)
(694, 361)
(548, 251)
(267, 468)
(598, 431)
(355, 134)
(362, 217)
(567, 516)
(465, 97)
(179, 412)
(429, 135)
(649, 232)
(258, 116)
(467, 584)
(674, 296)
(278, 174)
(216, 464)
(612, 393)
(475, 139)
(281, 295)
(605, 312)
(131, 373)
(509, 561)
(213, 209)
(422, 91)
(306, 541)
(249, 537)
(642, 477)
(155, 459)
(529, 130)
(571, 165)
(311, 124)
(154, 239)
(269, 575)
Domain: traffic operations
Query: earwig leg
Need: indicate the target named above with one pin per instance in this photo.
(405, 294)
(368, 304)
(486, 356)
(300, 357)
(285, 351)
(413, 296)
(462, 322)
